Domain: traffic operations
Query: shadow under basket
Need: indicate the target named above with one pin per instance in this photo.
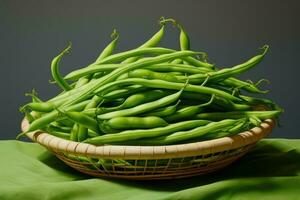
(152, 162)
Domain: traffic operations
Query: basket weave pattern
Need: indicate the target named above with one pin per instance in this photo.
(152, 162)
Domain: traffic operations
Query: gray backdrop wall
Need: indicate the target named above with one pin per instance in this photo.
(33, 32)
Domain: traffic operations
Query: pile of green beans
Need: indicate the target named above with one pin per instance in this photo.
(150, 95)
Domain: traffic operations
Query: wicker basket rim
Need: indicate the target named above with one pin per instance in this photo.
(57, 144)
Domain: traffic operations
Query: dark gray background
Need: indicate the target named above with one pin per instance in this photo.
(33, 32)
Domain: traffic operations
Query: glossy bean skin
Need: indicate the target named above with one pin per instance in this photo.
(233, 82)
(144, 133)
(74, 133)
(90, 88)
(124, 92)
(55, 73)
(82, 119)
(135, 122)
(135, 52)
(62, 135)
(165, 67)
(143, 107)
(153, 41)
(148, 74)
(75, 128)
(136, 99)
(108, 50)
(238, 114)
(182, 136)
(187, 112)
(47, 118)
(92, 69)
(261, 101)
(228, 72)
(39, 106)
(221, 103)
(168, 85)
(162, 112)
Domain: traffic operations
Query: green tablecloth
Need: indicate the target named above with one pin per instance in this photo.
(270, 171)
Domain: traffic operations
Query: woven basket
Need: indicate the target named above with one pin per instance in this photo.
(152, 162)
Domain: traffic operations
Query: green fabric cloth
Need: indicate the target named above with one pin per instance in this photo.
(270, 171)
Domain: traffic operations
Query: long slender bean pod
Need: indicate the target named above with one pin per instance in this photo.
(55, 73)
(238, 114)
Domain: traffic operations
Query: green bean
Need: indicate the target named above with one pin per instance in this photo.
(82, 133)
(227, 72)
(165, 111)
(145, 133)
(262, 101)
(107, 51)
(124, 92)
(74, 133)
(184, 42)
(198, 132)
(135, 122)
(62, 135)
(142, 108)
(233, 82)
(185, 68)
(82, 119)
(197, 63)
(29, 117)
(148, 74)
(167, 85)
(184, 39)
(92, 133)
(91, 87)
(135, 52)
(94, 68)
(187, 112)
(228, 131)
(64, 129)
(50, 117)
(39, 106)
(153, 41)
(165, 67)
(63, 121)
(222, 103)
(137, 99)
(238, 114)
(33, 96)
(54, 70)
(82, 130)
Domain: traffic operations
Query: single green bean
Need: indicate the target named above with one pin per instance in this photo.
(238, 114)
(108, 50)
(148, 74)
(135, 122)
(187, 112)
(55, 73)
(153, 41)
(165, 111)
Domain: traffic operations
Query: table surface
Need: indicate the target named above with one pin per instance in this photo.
(269, 171)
